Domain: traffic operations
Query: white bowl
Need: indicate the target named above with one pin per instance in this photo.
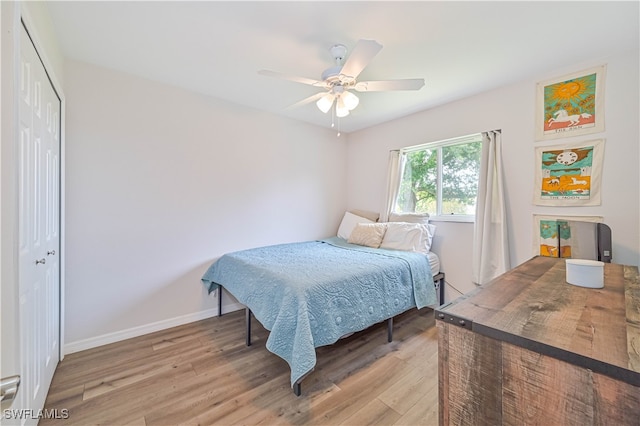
(585, 273)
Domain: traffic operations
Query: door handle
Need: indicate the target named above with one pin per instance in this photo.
(41, 261)
(51, 253)
(8, 390)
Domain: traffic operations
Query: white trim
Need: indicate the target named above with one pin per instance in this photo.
(453, 218)
(117, 336)
(9, 59)
(475, 137)
(29, 24)
(63, 232)
(437, 146)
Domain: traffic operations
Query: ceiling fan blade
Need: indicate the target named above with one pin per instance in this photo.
(307, 100)
(385, 85)
(360, 57)
(303, 80)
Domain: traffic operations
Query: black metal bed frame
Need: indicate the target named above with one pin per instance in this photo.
(438, 282)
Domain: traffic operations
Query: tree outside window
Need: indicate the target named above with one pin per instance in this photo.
(441, 178)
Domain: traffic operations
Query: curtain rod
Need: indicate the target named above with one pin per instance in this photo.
(445, 140)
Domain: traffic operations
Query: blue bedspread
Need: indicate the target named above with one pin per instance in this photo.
(310, 294)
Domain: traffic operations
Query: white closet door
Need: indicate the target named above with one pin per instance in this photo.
(39, 229)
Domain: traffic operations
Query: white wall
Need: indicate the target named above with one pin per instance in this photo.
(160, 182)
(512, 110)
(40, 27)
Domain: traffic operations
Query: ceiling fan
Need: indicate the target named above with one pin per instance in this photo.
(341, 78)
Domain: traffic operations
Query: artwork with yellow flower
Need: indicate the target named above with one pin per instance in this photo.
(571, 105)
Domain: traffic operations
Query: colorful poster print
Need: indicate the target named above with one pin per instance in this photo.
(571, 105)
(569, 174)
(566, 173)
(557, 236)
(550, 245)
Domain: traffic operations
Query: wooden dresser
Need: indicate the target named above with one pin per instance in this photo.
(528, 348)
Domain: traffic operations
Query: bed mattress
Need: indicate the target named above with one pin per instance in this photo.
(434, 261)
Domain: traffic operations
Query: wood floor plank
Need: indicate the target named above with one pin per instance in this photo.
(289, 409)
(213, 389)
(137, 422)
(99, 369)
(76, 367)
(359, 389)
(420, 347)
(407, 391)
(424, 412)
(269, 403)
(125, 378)
(62, 396)
(127, 404)
(203, 373)
(373, 413)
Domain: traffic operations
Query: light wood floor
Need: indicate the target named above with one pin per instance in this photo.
(202, 373)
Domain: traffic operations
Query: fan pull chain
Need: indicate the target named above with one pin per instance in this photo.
(333, 119)
(333, 116)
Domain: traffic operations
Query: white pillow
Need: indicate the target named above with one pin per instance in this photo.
(363, 213)
(408, 237)
(409, 217)
(368, 234)
(431, 229)
(349, 221)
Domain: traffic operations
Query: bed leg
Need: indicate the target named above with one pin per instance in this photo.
(248, 318)
(390, 330)
(219, 300)
(442, 289)
(297, 389)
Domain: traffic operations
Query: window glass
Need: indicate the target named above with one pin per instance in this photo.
(441, 178)
(418, 188)
(460, 173)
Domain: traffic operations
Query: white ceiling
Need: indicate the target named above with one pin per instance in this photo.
(459, 48)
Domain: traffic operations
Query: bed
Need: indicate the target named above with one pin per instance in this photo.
(310, 294)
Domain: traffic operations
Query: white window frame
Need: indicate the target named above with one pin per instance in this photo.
(439, 217)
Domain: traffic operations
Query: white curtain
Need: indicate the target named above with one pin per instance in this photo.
(394, 175)
(490, 240)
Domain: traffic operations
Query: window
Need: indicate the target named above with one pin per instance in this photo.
(441, 178)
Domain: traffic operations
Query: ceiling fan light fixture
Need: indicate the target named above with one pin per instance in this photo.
(340, 79)
(341, 108)
(350, 100)
(325, 102)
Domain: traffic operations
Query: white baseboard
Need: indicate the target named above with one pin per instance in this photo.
(105, 339)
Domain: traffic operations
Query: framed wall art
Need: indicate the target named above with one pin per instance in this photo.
(565, 236)
(572, 105)
(569, 174)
